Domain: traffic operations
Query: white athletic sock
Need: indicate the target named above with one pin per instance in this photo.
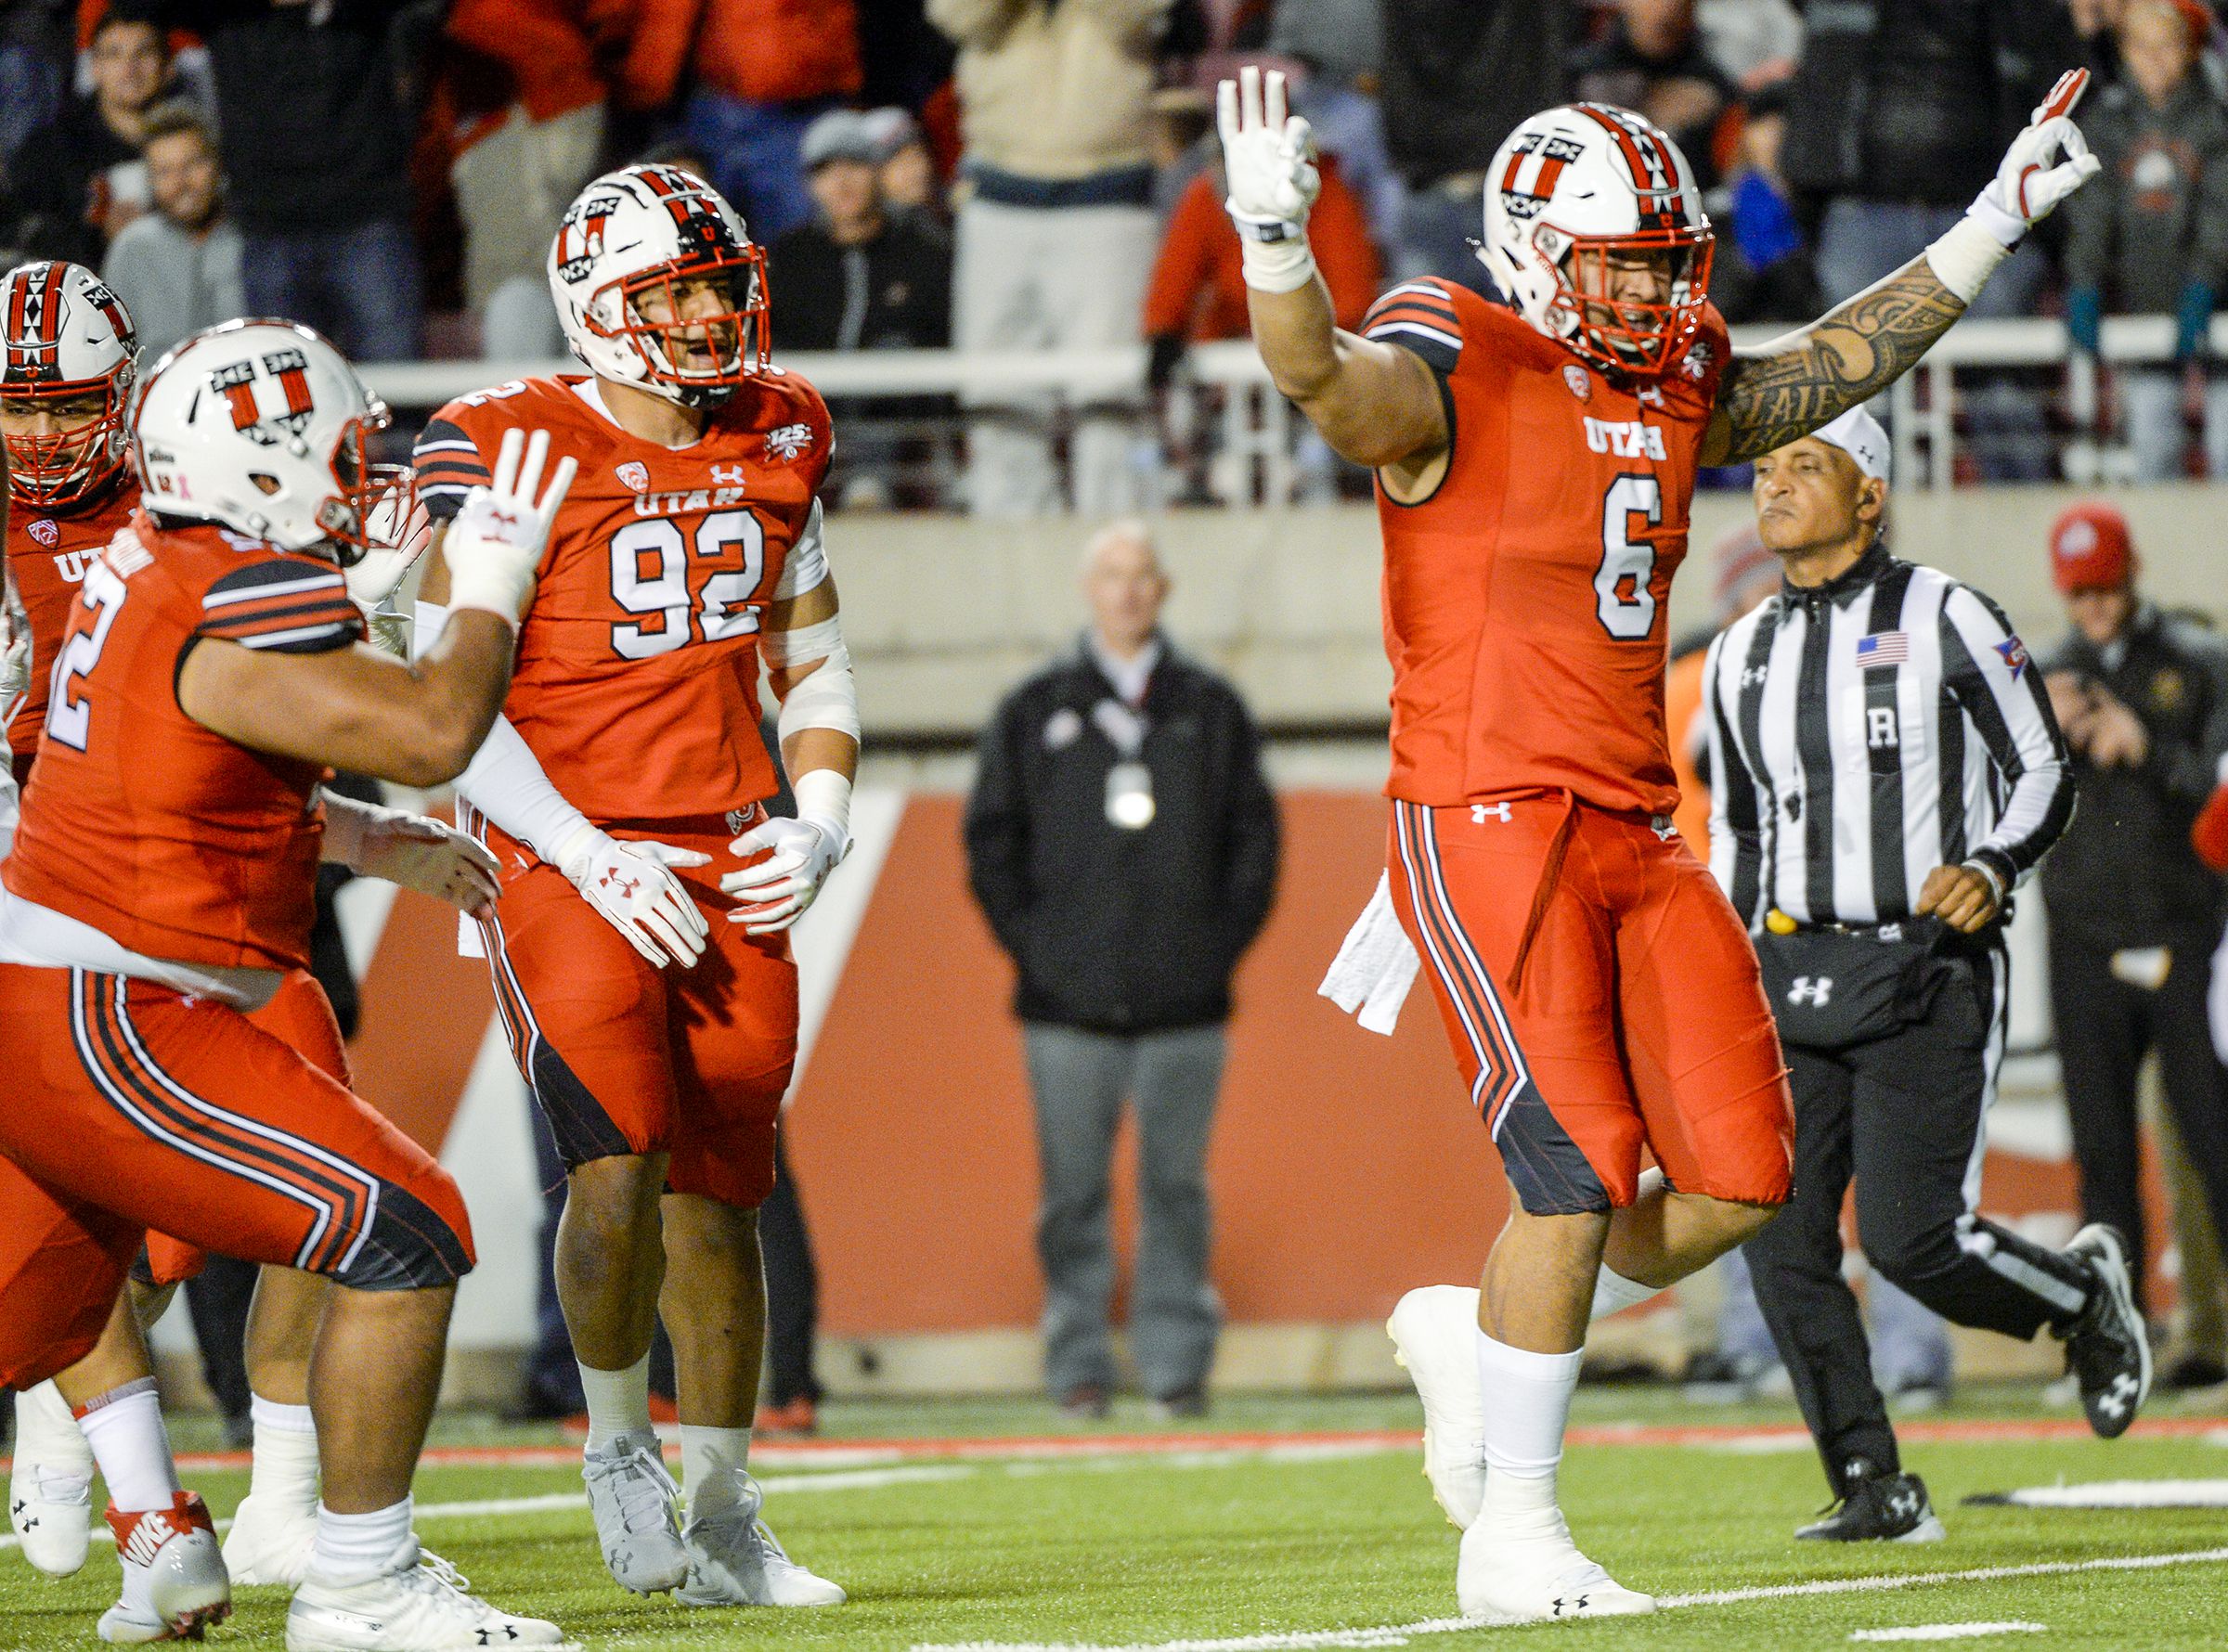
(705, 1451)
(1613, 1292)
(355, 1548)
(619, 1402)
(124, 1429)
(284, 1467)
(1527, 1402)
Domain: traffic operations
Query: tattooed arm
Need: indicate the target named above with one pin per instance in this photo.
(1788, 388)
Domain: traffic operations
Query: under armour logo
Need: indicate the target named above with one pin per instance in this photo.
(2113, 1401)
(1573, 1605)
(1814, 990)
(1752, 676)
(730, 475)
(619, 885)
(1499, 811)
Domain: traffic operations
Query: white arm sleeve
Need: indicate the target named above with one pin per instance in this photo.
(504, 780)
(807, 567)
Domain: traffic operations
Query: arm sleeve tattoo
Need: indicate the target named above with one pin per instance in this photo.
(1792, 386)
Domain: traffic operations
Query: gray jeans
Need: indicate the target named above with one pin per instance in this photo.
(1081, 1081)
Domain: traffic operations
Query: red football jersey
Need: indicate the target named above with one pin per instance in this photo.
(637, 682)
(46, 557)
(1524, 599)
(168, 837)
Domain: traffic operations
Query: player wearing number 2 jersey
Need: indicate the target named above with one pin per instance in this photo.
(1534, 466)
(637, 949)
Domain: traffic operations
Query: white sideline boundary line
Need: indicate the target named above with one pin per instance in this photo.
(1399, 1634)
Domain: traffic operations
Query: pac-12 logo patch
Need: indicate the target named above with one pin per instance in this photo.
(1579, 380)
(635, 474)
(2015, 656)
(788, 441)
(47, 532)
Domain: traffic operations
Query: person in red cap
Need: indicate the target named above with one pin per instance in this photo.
(2141, 696)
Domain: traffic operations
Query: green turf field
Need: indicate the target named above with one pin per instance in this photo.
(1267, 1549)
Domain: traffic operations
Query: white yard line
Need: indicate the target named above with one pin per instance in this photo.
(1948, 1632)
(1401, 1634)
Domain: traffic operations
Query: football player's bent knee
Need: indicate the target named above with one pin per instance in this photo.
(416, 1238)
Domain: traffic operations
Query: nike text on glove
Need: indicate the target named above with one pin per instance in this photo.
(775, 891)
(422, 854)
(1269, 158)
(2046, 162)
(629, 883)
(494, 543)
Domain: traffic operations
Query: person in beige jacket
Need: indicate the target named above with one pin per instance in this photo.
(1056, 232)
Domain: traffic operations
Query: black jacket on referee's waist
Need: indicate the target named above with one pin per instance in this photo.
(1114, 929)
(2125, 874)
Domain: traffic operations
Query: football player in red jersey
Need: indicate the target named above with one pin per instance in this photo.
(639, 947)
(1535, 464)
(160, 890)
(65, 384)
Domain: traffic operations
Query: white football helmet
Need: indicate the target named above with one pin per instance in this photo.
(1577, 191)
(627, 269)
(261, 426)
(67, 337)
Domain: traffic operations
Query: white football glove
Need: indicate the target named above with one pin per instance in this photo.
(494, 541)
(2028, 188)
(777, 890)
(629, 883)
(1269, 160)
(413, 851)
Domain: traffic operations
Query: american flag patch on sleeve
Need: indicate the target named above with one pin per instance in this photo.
(1884, 647)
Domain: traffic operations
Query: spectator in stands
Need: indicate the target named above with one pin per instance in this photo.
(1055, 233)
(1458, 76)
(1123, 844)
(1653, 61)
(1199, 292)
(2150, 235)
(1764, 270)
(315, 139)
(37, 46)
(906, 168)
(759, 71)
(534, 78)
(859, 277)
(1340, 43)
(177, 269)
(77, 180)
(1754, 43)
(2142, 699)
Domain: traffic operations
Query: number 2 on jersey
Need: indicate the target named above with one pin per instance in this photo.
(1623, 592)
(68, 713)
(721, 607)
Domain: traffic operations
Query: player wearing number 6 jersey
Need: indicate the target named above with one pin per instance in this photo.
(1535, 466)
(638, 948)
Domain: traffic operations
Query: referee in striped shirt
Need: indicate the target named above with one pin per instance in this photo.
(1884, 769)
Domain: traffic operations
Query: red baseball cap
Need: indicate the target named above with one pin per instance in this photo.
(2090, 548)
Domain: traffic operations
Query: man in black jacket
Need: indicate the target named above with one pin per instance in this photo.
(1123, 844)
(2135, 914)
(62, 179)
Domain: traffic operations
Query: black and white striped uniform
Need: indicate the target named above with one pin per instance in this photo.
(1861, 734)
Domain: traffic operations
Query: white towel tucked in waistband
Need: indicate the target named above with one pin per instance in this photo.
(1376, 964)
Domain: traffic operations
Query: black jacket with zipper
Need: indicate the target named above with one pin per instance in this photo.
(1115, 929)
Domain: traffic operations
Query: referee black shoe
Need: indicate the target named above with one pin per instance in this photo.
(1876, 1507)
(2108, 1349)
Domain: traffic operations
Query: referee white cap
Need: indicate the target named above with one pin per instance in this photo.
(1859, 434)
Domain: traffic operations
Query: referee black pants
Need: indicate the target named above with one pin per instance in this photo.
(2105, 1025)
(1903, 1115)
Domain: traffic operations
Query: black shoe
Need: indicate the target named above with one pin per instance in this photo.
(1087, 1402)
(2192, 1371)
(1183, 1405)
(1876, 1507)
(2108, 1349)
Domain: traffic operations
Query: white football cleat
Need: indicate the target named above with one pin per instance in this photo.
(638, 1521)
(50, 1485)
(1525, 1569)
(1435, 1332)
(734, 1559)
(173, 1575)
(269, 1542)
(418, 1604)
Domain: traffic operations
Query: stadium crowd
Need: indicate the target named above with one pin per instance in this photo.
(1033, 174)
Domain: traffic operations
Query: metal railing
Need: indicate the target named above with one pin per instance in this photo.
(1223, 401)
